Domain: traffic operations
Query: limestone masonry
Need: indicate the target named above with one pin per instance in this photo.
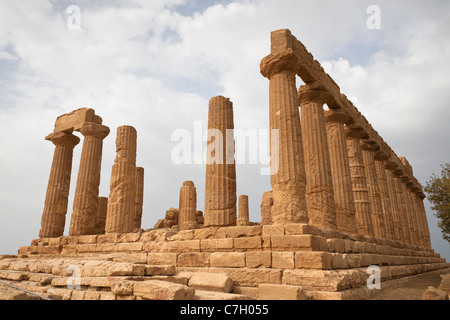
(341, 201)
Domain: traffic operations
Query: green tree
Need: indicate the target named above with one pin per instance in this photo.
(438, 190)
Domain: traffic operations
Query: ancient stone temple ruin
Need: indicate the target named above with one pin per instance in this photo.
(342, 206)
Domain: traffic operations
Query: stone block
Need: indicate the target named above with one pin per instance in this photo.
(193, 259)
(273, 230)
(445, 284)
(227, 259)
(243, 231)
(214, 245)
(298, 243)
(434, 294)
(154, 258)
(211, 282)
(210, 233)
(169, 270)
(160, 290)
(280, 292)
(130, 247)
(123, 288)
(258, 259)
(87, 239)
(313, 260)
(184, 246)
(74, 120)
(129, 237)
(283, 260)
(248, 244)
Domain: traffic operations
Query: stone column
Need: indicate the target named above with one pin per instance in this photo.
(289, 178)
(121, 205)
(414, 216)
(406, 237)
(266, 208)
(220, 186)
(395, 205)
(340, 168)
(244, 217)
(359, 180)
(420, 205)
(319, 182)
(410, 212)
(385, 198)
(139, 200)
(56, 200)
(374, 190)
(85, 203)
(101, 215)
(187, 217)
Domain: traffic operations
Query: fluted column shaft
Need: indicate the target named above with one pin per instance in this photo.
(220, 186)
(244, 216)
(413, 217)
(374, 194)
(319, 182)
(139, 200)
(122, 198)
(340, 168)
(359, 180)
(405, 228)
(385, 200)
(395, 206)
(85, 203)
(57, 197)
(423, 215)
(187, 218)
(101, 215)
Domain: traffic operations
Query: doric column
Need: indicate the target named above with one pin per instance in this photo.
(385, 198)
(411, 217)
(319, 182)
(395, 205)
(288, 177)
(423, 216)
(101, 215)
(340, 169)
(414, 214)
(139, 200)
(85, 203)
(374, 190)
(244, 217)
(187, 217)
(121, 204)
(220, 186)
(56, 200)
(405, 227)
(359, 180)
(266, 208)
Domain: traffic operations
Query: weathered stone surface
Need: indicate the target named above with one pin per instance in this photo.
(85, 204)
(161, 290)
(139, 200)
(434, 294)
(220, 186)
(244, 218)
(57, 197)
(211, 282)
(445, 284)
(187, 218)
(122, 199)
(280, 292)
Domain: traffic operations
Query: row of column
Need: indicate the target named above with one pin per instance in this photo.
(121, 213)
(330, 175)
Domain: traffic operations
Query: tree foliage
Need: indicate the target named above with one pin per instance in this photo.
(438, 190)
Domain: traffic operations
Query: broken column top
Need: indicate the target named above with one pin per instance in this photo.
(74, 121)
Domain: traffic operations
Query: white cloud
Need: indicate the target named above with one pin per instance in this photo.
(143, 63)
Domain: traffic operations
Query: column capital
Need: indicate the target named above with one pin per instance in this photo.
(93, 129)
(355, 132)
(336, 116)
(369, 145)
(307, 95)
(273, 64)
(63, 139)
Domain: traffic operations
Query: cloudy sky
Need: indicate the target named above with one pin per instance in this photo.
(155, 65)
